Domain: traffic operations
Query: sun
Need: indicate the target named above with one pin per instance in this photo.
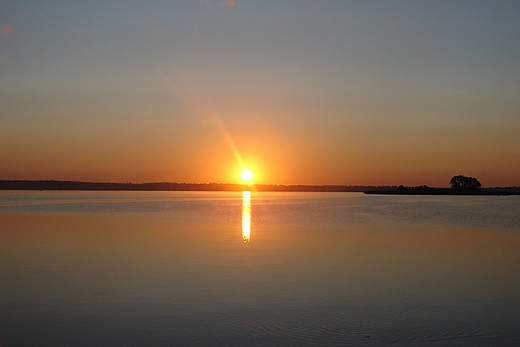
(247, 175)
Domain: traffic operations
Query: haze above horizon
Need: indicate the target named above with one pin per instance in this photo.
(298, 92)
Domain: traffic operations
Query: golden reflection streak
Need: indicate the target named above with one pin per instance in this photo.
(246, 216)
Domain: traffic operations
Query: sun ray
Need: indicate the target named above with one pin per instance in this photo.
(202, 105)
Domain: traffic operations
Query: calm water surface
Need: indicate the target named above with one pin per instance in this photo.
(258, 269)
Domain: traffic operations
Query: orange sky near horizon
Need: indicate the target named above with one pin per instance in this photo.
(278, 152)
(342, 92)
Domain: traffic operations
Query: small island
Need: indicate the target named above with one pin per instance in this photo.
(460, 185)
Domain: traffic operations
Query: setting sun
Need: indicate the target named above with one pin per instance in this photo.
(247, 175)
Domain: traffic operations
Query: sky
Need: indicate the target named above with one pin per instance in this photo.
(299, 91)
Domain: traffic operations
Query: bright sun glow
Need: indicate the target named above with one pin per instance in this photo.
(247, 175)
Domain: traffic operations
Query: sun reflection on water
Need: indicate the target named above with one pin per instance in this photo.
(246, 216)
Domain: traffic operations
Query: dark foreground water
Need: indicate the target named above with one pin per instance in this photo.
(265, 269)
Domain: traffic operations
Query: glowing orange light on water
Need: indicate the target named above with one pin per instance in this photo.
(246, 216)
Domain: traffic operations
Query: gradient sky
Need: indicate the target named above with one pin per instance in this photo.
(302, 92)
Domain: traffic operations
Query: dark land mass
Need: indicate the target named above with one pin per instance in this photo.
(171, 186)
(425, 190)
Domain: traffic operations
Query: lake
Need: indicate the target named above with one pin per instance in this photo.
(258, 269)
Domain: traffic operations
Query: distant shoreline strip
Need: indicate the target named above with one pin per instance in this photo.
(173, 186)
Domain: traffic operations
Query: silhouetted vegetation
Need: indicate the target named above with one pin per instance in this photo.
(172, 186)
(460, 185)
(463, 182)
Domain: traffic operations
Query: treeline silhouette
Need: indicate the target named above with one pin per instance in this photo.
(173, 186)
(460, 185)
(425, 190)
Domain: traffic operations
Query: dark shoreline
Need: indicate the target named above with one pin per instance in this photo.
(448, 191)
(173, 186)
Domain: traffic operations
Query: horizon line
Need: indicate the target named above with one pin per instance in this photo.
(252, 185)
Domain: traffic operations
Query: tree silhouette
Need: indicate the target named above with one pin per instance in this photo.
(463, 182)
